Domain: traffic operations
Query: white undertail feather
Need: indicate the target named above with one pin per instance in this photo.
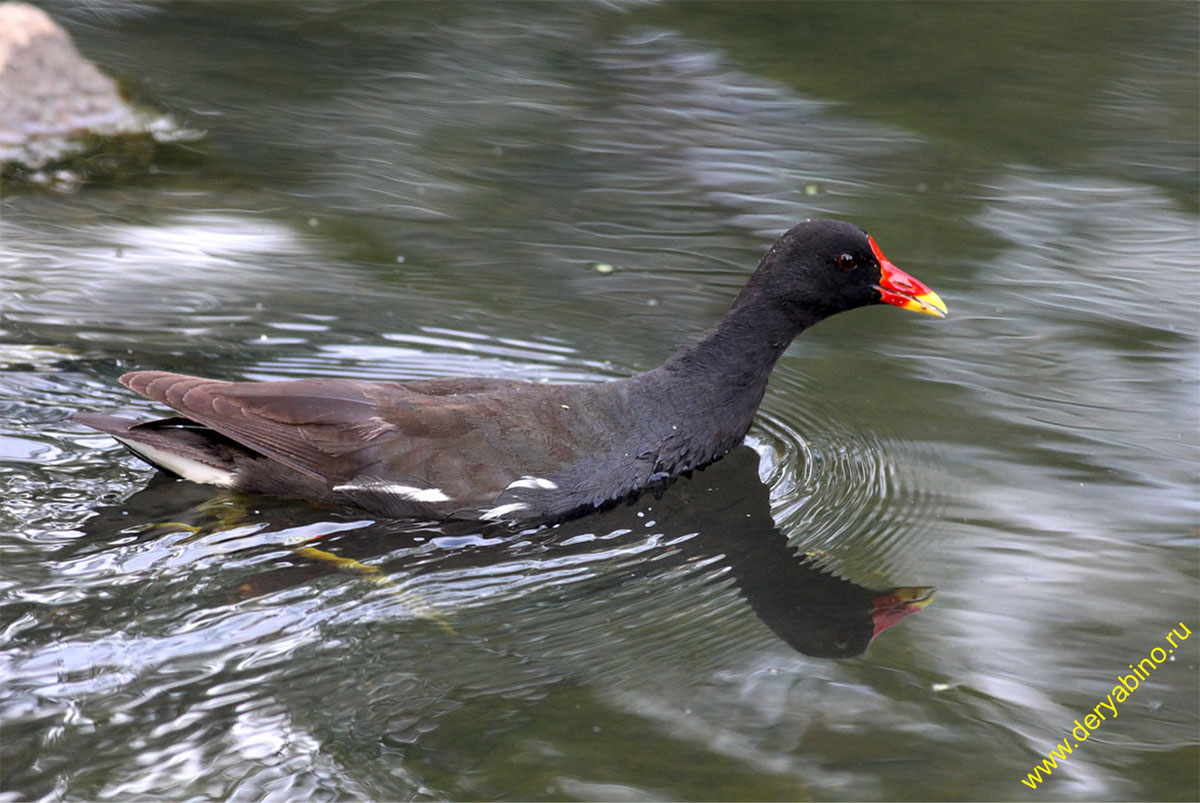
(192, 470)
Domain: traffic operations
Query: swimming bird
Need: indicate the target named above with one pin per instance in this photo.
(504, 450)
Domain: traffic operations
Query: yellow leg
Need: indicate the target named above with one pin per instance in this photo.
(412, 600)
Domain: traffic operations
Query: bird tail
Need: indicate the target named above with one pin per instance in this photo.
(177, 445)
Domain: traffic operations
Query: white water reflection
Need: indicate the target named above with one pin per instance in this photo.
(1102, 280)
(191, 275)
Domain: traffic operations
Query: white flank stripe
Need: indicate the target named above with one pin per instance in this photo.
(192, 470)
(502, 511)
(532, 482)
(409, 492)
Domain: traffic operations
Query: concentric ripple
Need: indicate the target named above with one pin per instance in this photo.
(836, 481)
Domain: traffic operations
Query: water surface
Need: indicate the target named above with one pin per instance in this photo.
(398, 191)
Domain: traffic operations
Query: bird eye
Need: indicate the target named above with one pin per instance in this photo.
(847, 262)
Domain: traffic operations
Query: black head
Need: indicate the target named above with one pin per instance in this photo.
(822, 267)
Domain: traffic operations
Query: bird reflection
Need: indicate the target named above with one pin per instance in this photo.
(718, 517)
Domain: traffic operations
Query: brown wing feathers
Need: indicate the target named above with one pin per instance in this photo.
(431, 448)
(313, 426)
(333, 429)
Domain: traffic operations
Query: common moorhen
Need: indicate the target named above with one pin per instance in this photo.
(505, 450)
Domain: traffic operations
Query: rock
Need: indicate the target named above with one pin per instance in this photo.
(55, 105)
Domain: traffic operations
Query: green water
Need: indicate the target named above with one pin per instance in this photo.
(403, 190)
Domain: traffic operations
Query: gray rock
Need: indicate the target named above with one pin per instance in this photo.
(56, 105)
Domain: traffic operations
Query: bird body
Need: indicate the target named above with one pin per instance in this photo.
(505, 450)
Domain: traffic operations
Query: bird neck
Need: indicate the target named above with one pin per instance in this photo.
(719, 381)
(735, 356)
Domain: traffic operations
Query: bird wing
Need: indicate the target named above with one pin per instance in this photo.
(294, 422)
(447, 436)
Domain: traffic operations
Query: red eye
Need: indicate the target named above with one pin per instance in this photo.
(846, 262)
